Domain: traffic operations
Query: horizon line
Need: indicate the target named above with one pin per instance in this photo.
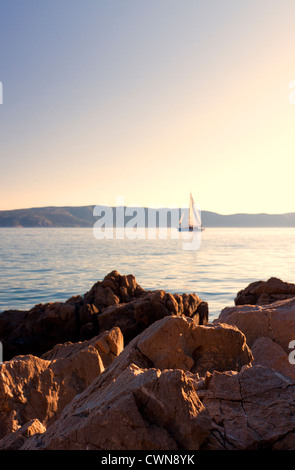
(145, 207)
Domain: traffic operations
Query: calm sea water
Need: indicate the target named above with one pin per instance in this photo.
(52, 264)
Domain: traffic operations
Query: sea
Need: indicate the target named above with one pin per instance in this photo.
(40, 265)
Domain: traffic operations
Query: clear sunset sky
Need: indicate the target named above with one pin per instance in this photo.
(149, 100)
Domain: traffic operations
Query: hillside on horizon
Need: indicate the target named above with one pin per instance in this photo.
(82, 216)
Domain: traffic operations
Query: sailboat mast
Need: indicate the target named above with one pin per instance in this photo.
(191, 214)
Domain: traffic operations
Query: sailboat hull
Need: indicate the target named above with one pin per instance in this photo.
(189, 229)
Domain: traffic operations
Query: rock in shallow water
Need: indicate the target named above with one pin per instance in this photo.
(265, 292)
(116, 301)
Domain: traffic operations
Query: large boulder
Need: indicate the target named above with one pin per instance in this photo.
(135, 316)
(265, 292)
(39, 388)
(252, 409)
(130, 413)
(269, 331)
(180, 344)
(270, 354)
(116, 301)
(275, 321)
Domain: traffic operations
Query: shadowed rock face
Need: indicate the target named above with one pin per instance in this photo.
(15, 440)
(34, 388)
(116, 301)
(265, 292)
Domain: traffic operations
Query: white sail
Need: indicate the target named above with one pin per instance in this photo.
(193, 222)
(195, 216)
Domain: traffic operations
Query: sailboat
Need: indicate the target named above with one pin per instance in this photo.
(194, 218)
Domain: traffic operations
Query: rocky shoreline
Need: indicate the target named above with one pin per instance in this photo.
(121, 368)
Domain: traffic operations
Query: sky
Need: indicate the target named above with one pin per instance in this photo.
(148, 100)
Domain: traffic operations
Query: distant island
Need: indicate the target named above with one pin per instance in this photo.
(71, 216)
